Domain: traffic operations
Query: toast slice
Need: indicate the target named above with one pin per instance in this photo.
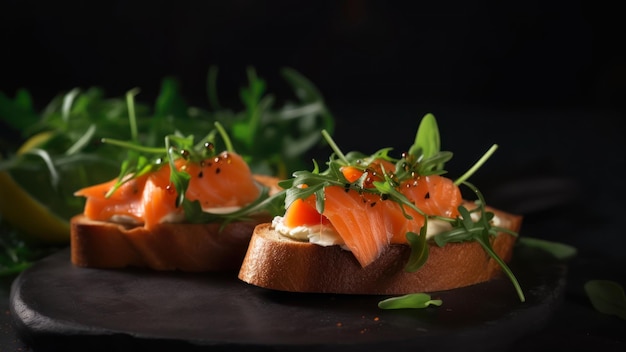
(168, 246)
(276, 262)
(184, 247)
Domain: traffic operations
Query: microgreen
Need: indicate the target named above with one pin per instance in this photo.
(419, 249)
(607, 297)
(427, 144)
(466, 229)
(412, 300)
(558, 250)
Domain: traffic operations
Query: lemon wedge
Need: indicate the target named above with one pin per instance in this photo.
(34, 221)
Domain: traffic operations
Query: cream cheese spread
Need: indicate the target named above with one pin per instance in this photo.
(325, 235)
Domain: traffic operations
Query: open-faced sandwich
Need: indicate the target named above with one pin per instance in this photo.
(378, 224)
(189, 207)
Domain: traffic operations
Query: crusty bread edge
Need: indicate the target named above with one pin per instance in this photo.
(183, 247)
(278, 263)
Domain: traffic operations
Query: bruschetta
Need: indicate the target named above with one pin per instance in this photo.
(192, 209)
(379, 224)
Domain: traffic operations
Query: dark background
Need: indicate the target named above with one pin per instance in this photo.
(546, 80)
(518, 54)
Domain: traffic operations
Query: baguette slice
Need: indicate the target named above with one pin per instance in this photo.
(169, 246)
(279, 263)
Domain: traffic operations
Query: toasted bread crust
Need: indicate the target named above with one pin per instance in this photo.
(178, 246)
(276, 262)
(184, 247)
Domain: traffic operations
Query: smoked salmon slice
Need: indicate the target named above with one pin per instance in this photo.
(223, 181)
(360, 223)
(367, 222)
(126, 201)
(434, 195)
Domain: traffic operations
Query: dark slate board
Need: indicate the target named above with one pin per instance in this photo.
(57, 306)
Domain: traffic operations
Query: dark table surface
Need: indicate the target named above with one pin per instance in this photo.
(563, 170)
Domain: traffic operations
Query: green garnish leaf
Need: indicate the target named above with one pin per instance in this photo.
(466, 218)
(477, 165)
(19, 112)
(559, 250)
(466, 229)
(170, 102)
(179, 179)
(607, 297)
(413, 300)
(427, 139)
(419, 250)
(264, 203)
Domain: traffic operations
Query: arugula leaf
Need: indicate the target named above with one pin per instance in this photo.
(170, 102)
(413, 300)
(479, 231)
(419, 250)
(476, 166)
(607, 297)
(264, 203)
(427, 140)
(18, 113)
(560, 251)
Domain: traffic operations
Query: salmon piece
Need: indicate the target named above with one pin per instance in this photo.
(434, 195)
(126, 200)
(159, 199)
(402, 223)
(302, 213)
(359, 221)
(365, 222)
(223, 181)
(220, 182)
(375, 171)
